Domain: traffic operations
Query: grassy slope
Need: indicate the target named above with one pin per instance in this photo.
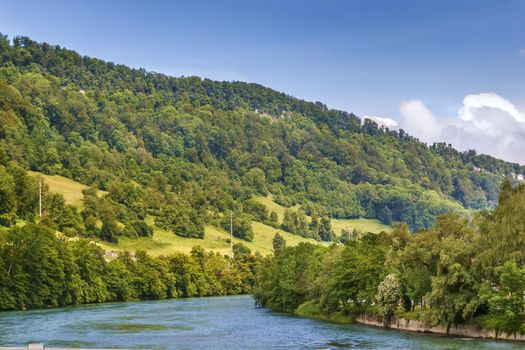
(363, 225)
(164, 242)
(70, 189)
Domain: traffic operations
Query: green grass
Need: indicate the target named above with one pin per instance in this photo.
(272, 206)
(164, 242)
(215, 239)
(312, 310)
(70, 189)
(419, 315)
(363, 225)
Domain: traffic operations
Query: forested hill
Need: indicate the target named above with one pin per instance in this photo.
(188, 150)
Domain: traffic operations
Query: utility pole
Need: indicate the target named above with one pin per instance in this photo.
(231, 233)
(40, 199)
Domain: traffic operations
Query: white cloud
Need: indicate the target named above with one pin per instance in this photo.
(485, 122)
(418, 120)
(386, 122)
(521, 52)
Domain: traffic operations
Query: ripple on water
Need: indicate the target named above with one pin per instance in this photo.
(207, 323)
(137, 327)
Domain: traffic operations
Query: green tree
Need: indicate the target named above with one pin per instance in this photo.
(278, 243)
(256, 179)
(388, 295)
(8, 200)
(273, 220)
(506, 299)
(325, 229)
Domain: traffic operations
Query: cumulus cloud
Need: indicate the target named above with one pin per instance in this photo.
(387, 122)
(485, 122)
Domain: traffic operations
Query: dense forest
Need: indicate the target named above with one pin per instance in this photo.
(189, 150)
(39, 269)
(460, 270)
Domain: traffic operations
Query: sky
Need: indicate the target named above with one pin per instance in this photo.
(444, 70)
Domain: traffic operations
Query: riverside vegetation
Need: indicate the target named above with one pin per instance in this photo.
(179, 155)
(39, 269)
(461, 270)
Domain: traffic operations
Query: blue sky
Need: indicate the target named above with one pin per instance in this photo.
(368, 57)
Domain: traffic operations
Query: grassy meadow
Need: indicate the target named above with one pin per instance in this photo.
(338, 225)
(215, 239)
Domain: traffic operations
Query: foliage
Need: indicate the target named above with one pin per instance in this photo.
(455, 272)
(278, 243)
(187, 150)
(241, 225)
(388, 295)
(38, 269)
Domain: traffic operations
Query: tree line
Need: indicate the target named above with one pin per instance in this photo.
(462, 269)
(40, 269)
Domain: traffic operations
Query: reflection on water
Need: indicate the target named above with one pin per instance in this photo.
(207, 323)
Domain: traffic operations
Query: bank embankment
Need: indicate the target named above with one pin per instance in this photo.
(312, 310)
(461, 330)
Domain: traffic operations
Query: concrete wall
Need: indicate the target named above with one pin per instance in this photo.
(462, 330)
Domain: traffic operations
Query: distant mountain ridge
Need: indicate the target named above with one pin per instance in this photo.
(187, 150)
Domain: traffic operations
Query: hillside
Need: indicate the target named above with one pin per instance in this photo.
(187, 151)
(338, 225)
(163, 242)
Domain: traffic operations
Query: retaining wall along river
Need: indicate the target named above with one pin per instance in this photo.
(462, 330)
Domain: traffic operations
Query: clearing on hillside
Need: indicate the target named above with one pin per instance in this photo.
(164, 242)
(70, 189)
(215, 239)
(362, 225)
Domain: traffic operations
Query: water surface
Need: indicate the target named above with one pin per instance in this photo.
(207, 323)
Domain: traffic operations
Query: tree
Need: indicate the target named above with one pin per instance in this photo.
(388, 295)
(110, 229)
(385, 215)
(273, 220)
(358, 271)
(240, 249)
(314, 224)
(278, 243)
(454, 297)
(242, 226)
(182, 220)
(8, 200)
(325, 229)
(256, 179)
(140, 228)
(257, 210)
(295, 222)
(289, 222)
(345, 236)
(506, 299)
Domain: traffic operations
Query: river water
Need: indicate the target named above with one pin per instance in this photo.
(206, 323)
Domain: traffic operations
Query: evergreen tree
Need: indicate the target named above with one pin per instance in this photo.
(278, 243)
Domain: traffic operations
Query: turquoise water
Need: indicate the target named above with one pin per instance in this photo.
(206, 323)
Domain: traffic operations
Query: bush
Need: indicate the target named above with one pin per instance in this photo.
(242, 226)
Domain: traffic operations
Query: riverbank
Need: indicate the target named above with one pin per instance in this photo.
(461, 330)
(312, 310)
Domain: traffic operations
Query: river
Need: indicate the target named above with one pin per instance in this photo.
(206, 323)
